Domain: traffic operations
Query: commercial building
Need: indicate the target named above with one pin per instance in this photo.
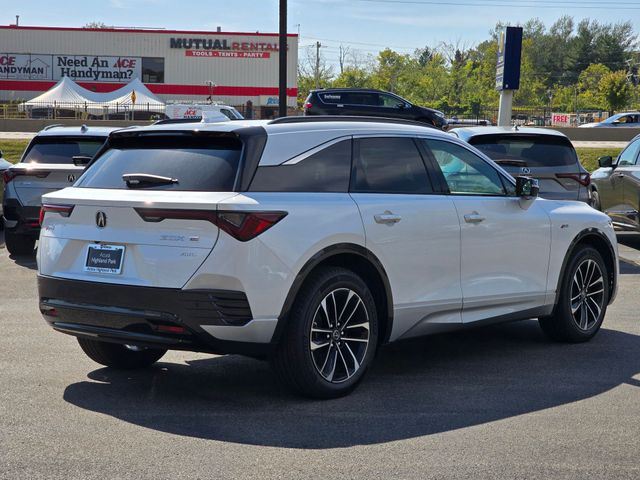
(229, 67)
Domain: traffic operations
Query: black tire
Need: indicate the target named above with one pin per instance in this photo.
(565, 325)
(19, 244)
(297, 366)
(595, 200)
(118, 356)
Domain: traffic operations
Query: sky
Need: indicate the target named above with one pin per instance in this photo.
(363, 25)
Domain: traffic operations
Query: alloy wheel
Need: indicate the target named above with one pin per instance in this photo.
(587, 294)
(339, 335)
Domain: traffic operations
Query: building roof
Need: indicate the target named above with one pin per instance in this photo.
(142, 30)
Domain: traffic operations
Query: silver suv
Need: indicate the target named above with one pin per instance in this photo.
(54, 159)
(546, 155)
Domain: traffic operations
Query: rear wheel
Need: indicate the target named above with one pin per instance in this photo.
(19, 244)
(583, 299)
(331, 337)
(119, 356)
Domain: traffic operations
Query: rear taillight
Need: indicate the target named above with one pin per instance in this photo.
(307, 105)
(64, 210)
(242, 226)
(9, 174)
(583, 179)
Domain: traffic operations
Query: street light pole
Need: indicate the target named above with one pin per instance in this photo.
(282, 50)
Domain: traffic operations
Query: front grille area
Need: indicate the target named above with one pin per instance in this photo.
(216, 307)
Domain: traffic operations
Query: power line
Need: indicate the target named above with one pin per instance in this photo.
(550, 5)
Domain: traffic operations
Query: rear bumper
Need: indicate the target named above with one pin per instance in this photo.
(20, 219)
(150, 316)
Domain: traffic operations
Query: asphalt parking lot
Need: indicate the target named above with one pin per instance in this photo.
(497, 402)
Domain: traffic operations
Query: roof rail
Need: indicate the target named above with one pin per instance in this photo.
(168, 121)
(347, 118)
(55, 125)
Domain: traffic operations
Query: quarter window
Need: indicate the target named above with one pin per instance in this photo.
(390, 165)
(325, 171)
(464, 172)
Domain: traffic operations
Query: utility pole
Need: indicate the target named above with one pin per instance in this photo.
(318, 45)
(282, 51)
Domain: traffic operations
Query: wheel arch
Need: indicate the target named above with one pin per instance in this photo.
(598, 240)
(361, 261)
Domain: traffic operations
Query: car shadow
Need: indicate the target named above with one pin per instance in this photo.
(421, 387)
(28, 261)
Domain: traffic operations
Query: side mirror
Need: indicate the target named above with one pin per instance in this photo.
(527, 188)
(605, 162)
(401, 105)
(81, 160)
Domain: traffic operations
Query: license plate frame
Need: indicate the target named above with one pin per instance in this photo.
(112, 256)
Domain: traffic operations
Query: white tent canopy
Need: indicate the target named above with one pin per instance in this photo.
(67, 94)
(123, 98)
(66, 91)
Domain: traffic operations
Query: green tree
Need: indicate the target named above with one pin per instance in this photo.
(616, 90)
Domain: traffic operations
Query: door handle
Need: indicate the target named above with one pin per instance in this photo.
(387, 218)
(621, 175)
(474, 217)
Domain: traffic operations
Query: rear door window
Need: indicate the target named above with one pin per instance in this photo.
(362, 98)
(527, 151)
(61, 150)
(389, 165)
(198, 164)
(325, 171)
(332, 98)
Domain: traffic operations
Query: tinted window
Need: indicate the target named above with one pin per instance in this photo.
(62, 150)
(390, 165)
(526, 151)
(331, 97)
(324, 171)
(199, 164)
(153, 70)
(629, 154)
(464, 172)
(361, 98)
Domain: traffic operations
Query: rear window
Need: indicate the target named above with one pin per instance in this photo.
(199, 164)
(526, 151)
(61, 150)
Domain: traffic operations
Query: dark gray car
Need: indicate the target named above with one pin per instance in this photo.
(546, 155)
(4, 165)
(616, 186)
(53, 160)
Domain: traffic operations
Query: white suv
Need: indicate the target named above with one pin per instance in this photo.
(310, 241)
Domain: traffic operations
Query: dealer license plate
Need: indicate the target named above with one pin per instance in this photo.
(104, 258)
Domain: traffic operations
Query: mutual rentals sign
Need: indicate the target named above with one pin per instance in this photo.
(222, 48)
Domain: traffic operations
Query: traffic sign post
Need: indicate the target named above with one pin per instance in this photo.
(508, 71)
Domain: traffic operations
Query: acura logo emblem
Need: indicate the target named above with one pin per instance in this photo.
(71, 177)
(101, 219)
(525, 170)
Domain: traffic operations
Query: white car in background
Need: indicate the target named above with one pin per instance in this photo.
(196, 112)
(310, 241)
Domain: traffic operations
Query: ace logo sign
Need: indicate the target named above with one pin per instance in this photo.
(25, 67)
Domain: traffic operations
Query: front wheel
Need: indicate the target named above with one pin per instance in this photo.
(331, 337)
(595, 200)
(118, 356)
(583, 299)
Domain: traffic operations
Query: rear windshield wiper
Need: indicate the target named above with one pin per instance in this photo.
(509, 161)
(141, 179)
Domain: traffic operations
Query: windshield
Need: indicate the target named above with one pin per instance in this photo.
(61, 150)
(197, 164)
(527, 150)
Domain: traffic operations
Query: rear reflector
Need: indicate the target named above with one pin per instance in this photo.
(242, 226)
(10, 174)
(64, 210)
(171, 329)
(583, 179)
